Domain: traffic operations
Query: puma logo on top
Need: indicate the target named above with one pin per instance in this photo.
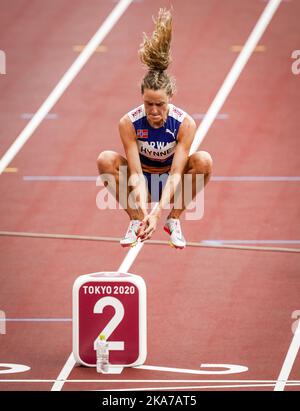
(171, 132)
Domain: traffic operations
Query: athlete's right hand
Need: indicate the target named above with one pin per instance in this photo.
(147, 227)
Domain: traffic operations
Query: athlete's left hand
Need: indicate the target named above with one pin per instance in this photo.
(148, 226)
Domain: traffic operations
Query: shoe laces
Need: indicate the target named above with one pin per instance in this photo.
(174, 225)
(133, 226)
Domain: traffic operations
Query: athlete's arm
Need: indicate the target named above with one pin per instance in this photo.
(185, 138)
(128, 137)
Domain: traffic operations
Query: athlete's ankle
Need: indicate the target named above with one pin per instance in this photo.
(136, 216)
(174, 215)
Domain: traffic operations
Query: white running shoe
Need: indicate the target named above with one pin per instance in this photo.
(172, 227)
(130, 238)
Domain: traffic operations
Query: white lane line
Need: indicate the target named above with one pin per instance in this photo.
(137, 381)
(49, 116)
(257, 178)
(220, 116)
(289, 361)
(235, 71)
(212, 113)
(283, 1)
(196, 387)
(213, 178)
(39, 320)
(59, 178)
(130, 257)
(203, 243)
(229, 369)
(65, 81)
(211, 242)
(64, 374)
(220, 242)
(104, 29)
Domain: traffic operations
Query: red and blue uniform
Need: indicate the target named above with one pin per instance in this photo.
(156, 146)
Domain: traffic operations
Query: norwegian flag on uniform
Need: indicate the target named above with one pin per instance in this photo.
(142, 133)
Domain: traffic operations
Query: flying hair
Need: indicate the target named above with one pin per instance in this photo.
(155, 54)
(155, 50)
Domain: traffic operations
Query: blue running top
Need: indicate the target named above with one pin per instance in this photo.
(156, 145)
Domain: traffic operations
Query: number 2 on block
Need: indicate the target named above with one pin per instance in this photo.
(113, 323)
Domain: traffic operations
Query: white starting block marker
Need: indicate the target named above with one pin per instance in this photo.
(113, 304)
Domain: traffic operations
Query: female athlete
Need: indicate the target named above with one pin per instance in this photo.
(157, 138)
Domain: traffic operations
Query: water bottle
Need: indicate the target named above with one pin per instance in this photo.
(102, 353)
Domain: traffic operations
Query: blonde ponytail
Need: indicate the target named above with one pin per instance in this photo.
(155, 54)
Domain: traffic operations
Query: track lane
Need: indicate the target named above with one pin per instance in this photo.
(70, 165)
(38, 52)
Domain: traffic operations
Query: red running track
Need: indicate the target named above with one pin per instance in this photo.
(234, 306)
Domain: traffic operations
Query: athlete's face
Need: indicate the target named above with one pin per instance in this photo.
(156, 106)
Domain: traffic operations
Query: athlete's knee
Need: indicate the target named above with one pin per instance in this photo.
(106, 161)
(202, 162)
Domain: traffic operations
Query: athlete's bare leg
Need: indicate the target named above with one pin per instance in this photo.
(198, 163)
(113, 170)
